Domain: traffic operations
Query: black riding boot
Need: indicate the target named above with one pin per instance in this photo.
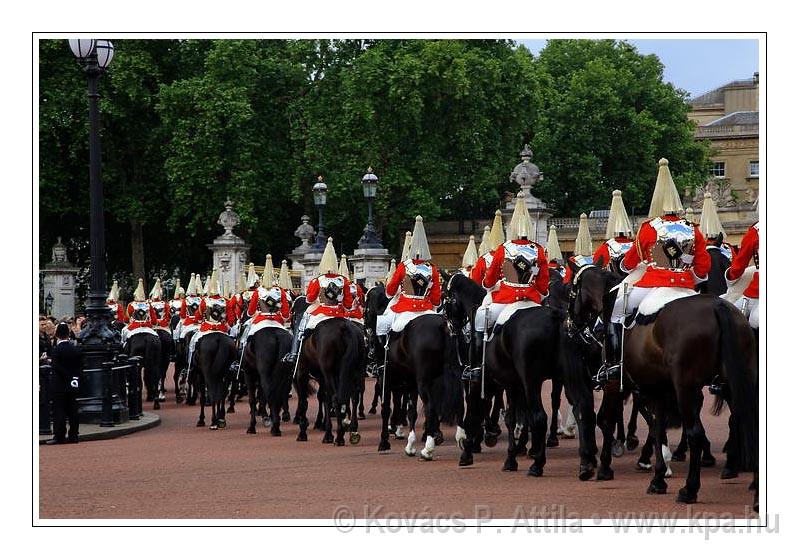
(297, 338)
(613, 350)
(473, 370)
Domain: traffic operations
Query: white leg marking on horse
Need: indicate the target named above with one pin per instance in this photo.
(518, 430)
(427, 452)
(410, 449)
(666, 452)
(398, 433)
(560, 430)
(461, 435)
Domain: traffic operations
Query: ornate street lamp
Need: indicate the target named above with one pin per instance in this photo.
(97, 339)
(370, 238)
(320, 191)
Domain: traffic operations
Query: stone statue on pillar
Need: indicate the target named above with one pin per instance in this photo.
(230, 252)
(526, 175)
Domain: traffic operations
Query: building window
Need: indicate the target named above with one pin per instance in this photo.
(754, 168)
(718, 169)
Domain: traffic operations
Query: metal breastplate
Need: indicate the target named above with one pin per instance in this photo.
(192, 303)
(418, 280)
(158, 307)
(617, 249)
(673, 240)
(175, 305)
(331, 290)
(215, 309)
(269, 301)
(519, 264)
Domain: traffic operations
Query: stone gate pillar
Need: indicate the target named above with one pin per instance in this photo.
(526, 175)
(59, 282)
(230, 252)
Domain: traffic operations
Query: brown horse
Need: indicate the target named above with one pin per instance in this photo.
(671, 356)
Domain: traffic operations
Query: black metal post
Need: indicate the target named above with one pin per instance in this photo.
(370, 238)
(45, 406)
(107, 418)
(98, 342)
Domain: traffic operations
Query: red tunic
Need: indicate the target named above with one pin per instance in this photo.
(603, 256)
(165, 320)
(657, 277)
(356, 311)
(151, 320)
(117, 310)
(280, 316)
(312, 295)
(229, 318)
(506, 293)
(207, 326)
(479, 270)
(405, 303)
(748, 250)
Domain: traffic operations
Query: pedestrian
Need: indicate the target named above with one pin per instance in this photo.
(66, 361)
(45, 343)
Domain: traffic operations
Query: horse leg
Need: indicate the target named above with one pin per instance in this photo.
(302, 407)
(202, 420)
(513, 433)
(538, 430)
(399, 404)
(409, 449)
(644, 462)
(683, 445)
(555, 405)
(319, 423)
(471, 419)
(386, 411)
(612, 402)
(690, 404)
(658, 485)
(341, 413)
(375, 397)
(731, 468)
(326, 407)
(631, 441)
(431, 422)
(358, 400)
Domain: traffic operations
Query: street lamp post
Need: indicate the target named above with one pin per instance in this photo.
(97, 339)
(320, 191)
(370, 238)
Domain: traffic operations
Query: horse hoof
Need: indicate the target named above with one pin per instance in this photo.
(285, 417)
(530, 453)
(156, 405)
(384, 445)
(355, 438)
(251, 430)
(552, 441)
(679, 456)
(605, 473)
(438, 437)
(327, 439)
(535, 470)
(708, 460)
(302, 437)
(640, 466)
(490, 440)
(200, 424)
(617, 448)
(213, 427)
(275, 432)
(372, 410)
(230, 410)
(586, 472)
(685, 497)
(221, 424)
(728, 472)
(510, 466)
(465, 460)
(424, 456)
(266, 421)
(296, 420)
(178, 400)
(339, 443)
(409, 452)
(631, 443)
(362, 416)
(657, 488)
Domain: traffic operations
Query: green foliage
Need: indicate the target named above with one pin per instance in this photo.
(188, 123)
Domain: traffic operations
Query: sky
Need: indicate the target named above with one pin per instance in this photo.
(695, 65)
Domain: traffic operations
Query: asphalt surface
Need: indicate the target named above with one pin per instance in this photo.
(178, 470)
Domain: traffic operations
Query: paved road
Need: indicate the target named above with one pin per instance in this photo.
(179, 471)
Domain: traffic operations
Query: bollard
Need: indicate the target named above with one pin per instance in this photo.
(134, 388)
(107, 413)
(45, 405)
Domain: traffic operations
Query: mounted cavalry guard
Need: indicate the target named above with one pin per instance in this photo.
(160, 308)
(711, 227)
(470, 257)
(518, 277)
(285, 282)
(582, 252)
(190, 319)
(176, 302)
(212, 313)
(269, 302)
(743, 280)
(356, 311)
(670, 257)
(555, 259)
(328, 295)
(494, 240)
(141, 314)
(415, 287)
(112, 301)
(618, 234)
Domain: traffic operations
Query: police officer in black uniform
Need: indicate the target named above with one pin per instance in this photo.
(66, 361)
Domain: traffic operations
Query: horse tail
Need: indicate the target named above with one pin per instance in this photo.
(221, 359)
(573, 370)
(446, 390)
(743, 384)
(350, 363)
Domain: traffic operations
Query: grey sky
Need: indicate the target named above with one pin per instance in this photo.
(695, 65)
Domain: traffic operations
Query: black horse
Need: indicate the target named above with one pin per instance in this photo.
(531, 347)
(421, 362)
(267, 374)
(333, 354)
(148, 347)
(671, 356)
(211, 362)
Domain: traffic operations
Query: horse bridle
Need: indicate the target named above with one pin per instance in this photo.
(584, 330)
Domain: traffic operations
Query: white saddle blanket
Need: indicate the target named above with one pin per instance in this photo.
(499, 314)
(314, 320)
(199, 335)
(254, 328)
(186, 329)
(659, 297)
(401, 320)
(126, 333)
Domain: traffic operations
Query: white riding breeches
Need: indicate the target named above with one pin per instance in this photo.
(635, 297)
(749, 307)
(486, 315)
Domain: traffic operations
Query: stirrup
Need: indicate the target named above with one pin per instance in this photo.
(471, 373)
(289, 358)
(606, 373)
(717, 387)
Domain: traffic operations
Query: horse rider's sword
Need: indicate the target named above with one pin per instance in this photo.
(625, 293)
(483, 356)
(385, 362)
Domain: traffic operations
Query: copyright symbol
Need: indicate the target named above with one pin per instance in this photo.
(343, 519)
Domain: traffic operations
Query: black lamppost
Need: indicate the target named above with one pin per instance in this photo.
(97, 339)
(320, 191)
(370, 238)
